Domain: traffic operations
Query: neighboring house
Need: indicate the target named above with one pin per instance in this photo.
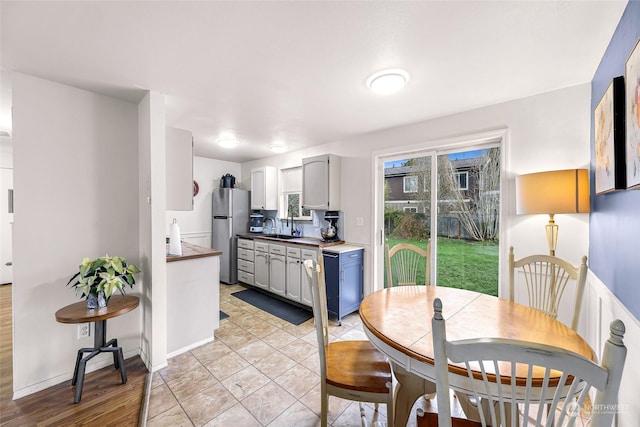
(408, 189)
(468, 204)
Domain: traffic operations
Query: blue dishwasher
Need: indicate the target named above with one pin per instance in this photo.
(343, 275)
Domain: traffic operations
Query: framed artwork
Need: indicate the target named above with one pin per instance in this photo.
(632, 96)
(608, 119)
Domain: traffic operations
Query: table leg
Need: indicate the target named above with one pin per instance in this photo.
(100, 346)
(410, 387)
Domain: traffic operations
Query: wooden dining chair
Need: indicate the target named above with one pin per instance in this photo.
(353, 370)
(546, 278)
(504, 372)
(406, 260)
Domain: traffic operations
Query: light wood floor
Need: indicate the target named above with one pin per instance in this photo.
(105, 401)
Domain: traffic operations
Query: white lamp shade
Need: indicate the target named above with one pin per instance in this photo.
(553, 192)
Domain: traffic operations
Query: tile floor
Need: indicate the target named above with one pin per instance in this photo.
(259, 371)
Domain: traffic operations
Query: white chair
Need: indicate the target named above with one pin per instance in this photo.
(404, 261)
(353, 370)
(514, 363)
(547, 278)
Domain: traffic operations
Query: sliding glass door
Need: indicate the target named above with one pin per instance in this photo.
(446, 203)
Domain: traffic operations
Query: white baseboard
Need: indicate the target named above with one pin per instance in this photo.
(190, 347)
(600, 308)
(67, 376)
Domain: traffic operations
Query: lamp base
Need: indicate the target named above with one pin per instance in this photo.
(552, 235)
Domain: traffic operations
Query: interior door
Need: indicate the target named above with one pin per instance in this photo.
(6, 225)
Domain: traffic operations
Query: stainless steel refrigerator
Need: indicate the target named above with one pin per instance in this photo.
(230, 216)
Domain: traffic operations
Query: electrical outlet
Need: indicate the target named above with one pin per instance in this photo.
(84, 330)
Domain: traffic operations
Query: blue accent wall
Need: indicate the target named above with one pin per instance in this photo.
(614, 222)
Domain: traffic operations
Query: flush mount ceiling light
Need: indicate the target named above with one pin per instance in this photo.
(386, 82)
(278, 147)
(228, 142)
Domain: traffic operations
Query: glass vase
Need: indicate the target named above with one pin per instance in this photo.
(96, 301)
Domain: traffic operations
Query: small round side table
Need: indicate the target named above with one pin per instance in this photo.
(79, 313)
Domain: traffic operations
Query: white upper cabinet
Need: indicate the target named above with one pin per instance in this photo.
(321, 182)
(179, 169)
(264, 188)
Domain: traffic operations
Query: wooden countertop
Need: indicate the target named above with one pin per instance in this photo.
(306, 241)
(191, 251)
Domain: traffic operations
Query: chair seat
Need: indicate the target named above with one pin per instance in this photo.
(430, 419)
(357, 365)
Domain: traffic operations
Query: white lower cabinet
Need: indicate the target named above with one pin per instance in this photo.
(246, 261)
(277, 268)
(305, 290)
(297, 281)
(261, 265)
(294, 273)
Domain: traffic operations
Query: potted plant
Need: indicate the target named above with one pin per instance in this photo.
(98, 279)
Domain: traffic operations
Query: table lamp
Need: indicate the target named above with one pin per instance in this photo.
(553, 192)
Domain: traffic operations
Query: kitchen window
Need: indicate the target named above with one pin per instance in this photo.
(292, 195)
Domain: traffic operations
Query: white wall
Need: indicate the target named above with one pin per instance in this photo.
(76, 195)
(195, 225)
(545, 132)
(152, 205)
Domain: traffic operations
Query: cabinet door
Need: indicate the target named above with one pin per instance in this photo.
(315, 183)
(294, 276)
(261, 267)
(277, 274)
(258, 188)
(350, 285)
(305, 289)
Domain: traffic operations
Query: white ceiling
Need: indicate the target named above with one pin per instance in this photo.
(296, 71)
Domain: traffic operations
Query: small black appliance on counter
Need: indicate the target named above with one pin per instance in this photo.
(227, 181)
(255, 222)
(330, 233)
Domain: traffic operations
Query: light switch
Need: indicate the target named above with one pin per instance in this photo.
(359, 221)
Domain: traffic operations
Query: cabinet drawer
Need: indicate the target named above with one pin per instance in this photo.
(309, 254)
(245, 277)
(293, 252)
(244, 243)
(351, 256)
(261, 246)
(245, 265)
(277, 249)
(246, 254)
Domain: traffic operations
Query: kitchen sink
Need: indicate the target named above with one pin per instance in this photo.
(282, 236)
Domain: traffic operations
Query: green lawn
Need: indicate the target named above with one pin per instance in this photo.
(462, 264)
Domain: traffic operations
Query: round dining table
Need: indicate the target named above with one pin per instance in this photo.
(398, 322)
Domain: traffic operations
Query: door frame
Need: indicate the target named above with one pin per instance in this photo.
(434, 148)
